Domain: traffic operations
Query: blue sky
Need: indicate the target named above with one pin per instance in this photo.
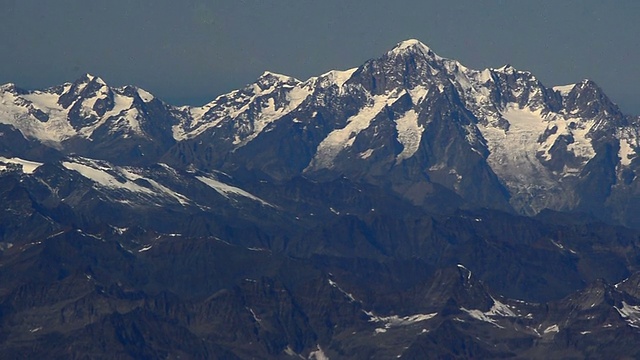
(189, 52)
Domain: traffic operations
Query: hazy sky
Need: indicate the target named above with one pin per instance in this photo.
(190, 51)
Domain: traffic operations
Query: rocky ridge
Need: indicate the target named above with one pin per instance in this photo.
(410, 205)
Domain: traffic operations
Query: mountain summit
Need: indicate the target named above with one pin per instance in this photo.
(411, 46)
(410, 121)
(391, 210)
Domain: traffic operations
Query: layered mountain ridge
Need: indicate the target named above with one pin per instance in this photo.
(408, 206)
(410, 120)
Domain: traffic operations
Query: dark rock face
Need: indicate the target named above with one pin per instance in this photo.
(406, 207)
(203, 298)
(588, 101)
(14, 144)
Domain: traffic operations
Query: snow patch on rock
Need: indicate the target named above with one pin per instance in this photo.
(409, 134)
(228, 191)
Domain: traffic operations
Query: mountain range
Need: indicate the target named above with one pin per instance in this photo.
(405, 207)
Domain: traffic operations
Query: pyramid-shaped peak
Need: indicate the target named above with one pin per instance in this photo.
(411, 43)
(270, 79)
(411, 46)
(87, 78)
(8, 87)
(277, 77)
(506, 69)
(588, 84)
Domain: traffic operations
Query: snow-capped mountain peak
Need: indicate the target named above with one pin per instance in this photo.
(269, 80)
(248, 111)
(506, 69)
(534, 138)
(411, 46)
(8, 87)
(330, 78)
(88, 77)
(564, 90)
(408, 110)
(84, 114)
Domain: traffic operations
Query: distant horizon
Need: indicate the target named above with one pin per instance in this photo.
(202, 100)
(193, 51)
